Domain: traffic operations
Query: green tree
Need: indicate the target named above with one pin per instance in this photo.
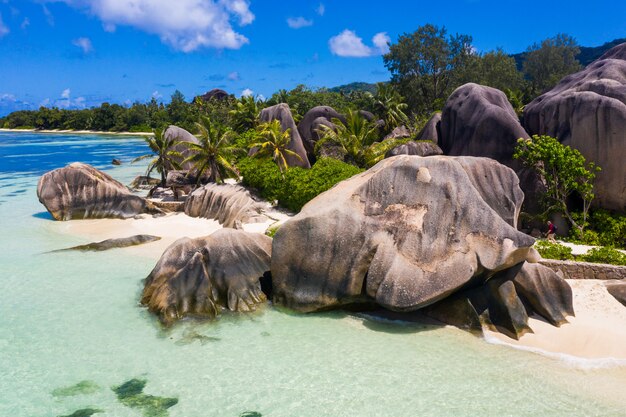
(245, 114)
(546, 63)
(214, 153)
(564, 171)
(494, 69)
(390, 106)
(275, 144)
(163, 154)
(425, 63)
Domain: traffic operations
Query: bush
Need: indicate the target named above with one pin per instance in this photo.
(603, 228)
(299, 185)
(605, 255)
(554, 251)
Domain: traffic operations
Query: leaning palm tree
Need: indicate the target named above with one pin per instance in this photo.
(245, 114)
(163, 153)
(275, 143)
(389, 104)
(213, 153)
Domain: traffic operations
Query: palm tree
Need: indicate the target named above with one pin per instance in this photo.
(275, 144)
(245, 114)
(213, 152)
(163, 153)
(390, 106)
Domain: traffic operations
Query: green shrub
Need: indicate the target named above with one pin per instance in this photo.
(603, 228)
(554, 251)
(299, 185)
(271, 231)
(605, 255)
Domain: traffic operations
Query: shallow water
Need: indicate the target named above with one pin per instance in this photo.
(68, 318)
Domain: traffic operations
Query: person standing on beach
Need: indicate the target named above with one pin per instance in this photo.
(551, 232)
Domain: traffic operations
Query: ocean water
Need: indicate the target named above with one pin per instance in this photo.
(67, 318)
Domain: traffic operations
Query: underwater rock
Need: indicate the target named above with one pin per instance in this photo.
(131, 395)
(84, 412)
(82, 388)
(200, 277)
(406, 233)
(114, 243)
(231, 205)
(80, 191)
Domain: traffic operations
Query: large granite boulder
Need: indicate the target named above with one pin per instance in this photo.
(80, 191)
(180, 135)
(200, 277)
(310, 124)
(282, 113)
(431, 130)
(618, 290)
(587, 111)
(230, 205)
(479, 121)
(406, 233)
(422, 148)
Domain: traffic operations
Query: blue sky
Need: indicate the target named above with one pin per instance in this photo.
(76, 53)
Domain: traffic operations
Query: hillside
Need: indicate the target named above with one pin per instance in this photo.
(587, 54)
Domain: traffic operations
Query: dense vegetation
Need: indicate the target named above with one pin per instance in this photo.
(602, 255)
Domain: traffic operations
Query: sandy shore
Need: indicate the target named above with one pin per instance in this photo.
(597, 332)
(79, 132)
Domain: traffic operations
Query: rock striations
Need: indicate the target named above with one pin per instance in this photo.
(80, 191)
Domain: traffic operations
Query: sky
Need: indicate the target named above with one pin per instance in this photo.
(80, 53)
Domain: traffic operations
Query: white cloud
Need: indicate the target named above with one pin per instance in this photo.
(45, 102)
(298, 22)
(66, 93)
(156, 95)
(25, 23)
(186, 25)
(79, 102)
(233, 76)
(84, 44)
(3, 29)
(48, 14)
(247, 93)
(321, 9)
(109, 27)
(348, 44)
(381, 41)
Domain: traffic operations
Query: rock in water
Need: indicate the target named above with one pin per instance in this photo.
(199, 277)
(282, 113)
(123, 242)
(230, 205)
(587, 111)
(80, 191)
(406, 233)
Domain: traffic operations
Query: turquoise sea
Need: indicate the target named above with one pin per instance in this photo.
(67, 318)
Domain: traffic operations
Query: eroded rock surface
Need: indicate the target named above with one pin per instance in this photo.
(424, 148)
(406, 233)
(80, 191)
(200, 277)
(230, 205)
(282, 113)
(618, 290)
(587, 111)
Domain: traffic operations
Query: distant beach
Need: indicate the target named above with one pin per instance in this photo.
(79, 132)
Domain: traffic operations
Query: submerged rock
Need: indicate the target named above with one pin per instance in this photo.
(84, 412)
(406, 233)
(131, 395)
(81, 388)
(114, 243)
(587, 111)
(282, 113)
(200, 277)
(80, 191)
(230, 205)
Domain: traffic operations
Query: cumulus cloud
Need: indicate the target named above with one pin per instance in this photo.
(348, 44)
(185, 25)
(156, 95)
(298, 22)
(321, 9)
(247, 93)
(234, 76)
(3, 29)
(65, 94)
(84, 44)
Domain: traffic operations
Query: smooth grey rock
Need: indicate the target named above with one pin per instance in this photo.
(181, 135)
(123, 242)
(229, 204)
(618, 290)
(398, 133)
(406, 233)
(215, 94)
(282, 113)
(311, 122)
(200, 277)
(424, 148)
(80, 191)
(587, 111)
(431, 131)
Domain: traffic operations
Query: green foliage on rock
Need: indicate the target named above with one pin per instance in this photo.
(299, 185)
(556, 251)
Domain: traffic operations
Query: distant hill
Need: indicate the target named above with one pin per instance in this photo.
(587, 54)
(357, 86)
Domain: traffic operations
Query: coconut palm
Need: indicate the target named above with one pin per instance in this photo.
(275, 144)
(214, 151)
(245, 114)
(163, 153)
(390, 106)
